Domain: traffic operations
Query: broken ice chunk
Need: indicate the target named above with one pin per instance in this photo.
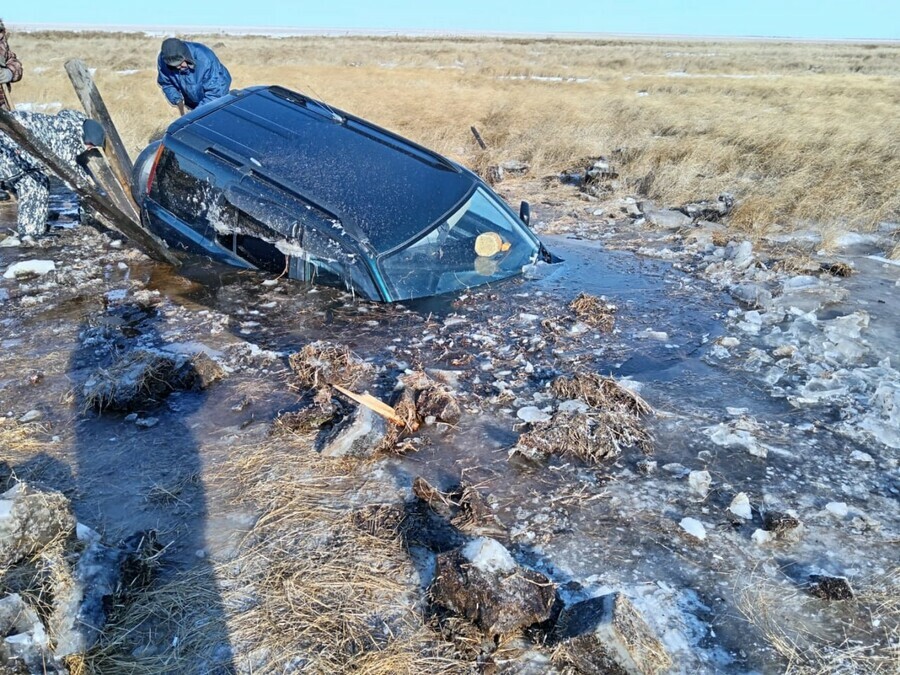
(740, 506)
(693, 527)
(700, 482)
(532, 414)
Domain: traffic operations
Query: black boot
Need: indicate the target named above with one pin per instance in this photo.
(4, 195)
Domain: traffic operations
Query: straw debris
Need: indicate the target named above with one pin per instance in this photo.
(589, 437)
(594, 312)
(321, 362)
(600, 392)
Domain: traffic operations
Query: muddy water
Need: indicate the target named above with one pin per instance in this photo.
(589, 528)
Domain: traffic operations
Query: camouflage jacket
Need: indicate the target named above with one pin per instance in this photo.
(62, 133)
(8, 60)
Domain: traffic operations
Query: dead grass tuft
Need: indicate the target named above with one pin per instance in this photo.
(594, 311)
(818, 646)
(329, 581)
(776, 124)
(720, 238)
(589, 437)
(600, 392)
(320, 363)
(837, 269)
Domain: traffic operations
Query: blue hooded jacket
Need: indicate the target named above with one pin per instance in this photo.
(205, 81)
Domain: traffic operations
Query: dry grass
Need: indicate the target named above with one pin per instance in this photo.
(594, 311)
(800, 133)
(589, 437)
(310, 589)
(329, 592)
(600, 392)
(321, 363)
(811, 647)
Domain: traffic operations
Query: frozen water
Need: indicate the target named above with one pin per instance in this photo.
(27, 267)
(731, 435)
(740, 506)
(693, 527)
(700, 482)
(533, 414)
(488, 555)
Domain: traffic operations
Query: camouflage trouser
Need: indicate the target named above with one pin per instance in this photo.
(33, 194)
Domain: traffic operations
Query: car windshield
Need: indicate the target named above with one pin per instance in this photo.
(480, 242)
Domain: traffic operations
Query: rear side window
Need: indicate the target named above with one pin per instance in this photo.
(183, 188)
(327, 262)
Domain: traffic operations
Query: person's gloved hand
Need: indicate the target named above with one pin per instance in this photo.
(5, 75)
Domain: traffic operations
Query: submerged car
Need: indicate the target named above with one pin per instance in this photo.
(270, 179)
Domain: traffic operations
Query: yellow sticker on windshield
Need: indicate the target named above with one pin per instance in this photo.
(489, 243)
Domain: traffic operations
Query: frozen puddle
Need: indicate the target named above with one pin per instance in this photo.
(792, 405)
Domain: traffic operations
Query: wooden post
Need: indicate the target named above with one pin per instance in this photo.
(107, 180)
(112, 216)
(478, 138)
(96, 109)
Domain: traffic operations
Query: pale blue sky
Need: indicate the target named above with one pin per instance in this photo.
(832, 19)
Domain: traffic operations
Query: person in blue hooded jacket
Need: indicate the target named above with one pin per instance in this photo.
(190, 74)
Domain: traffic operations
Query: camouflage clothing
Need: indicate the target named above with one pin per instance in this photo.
(25, 175)
(8, 61)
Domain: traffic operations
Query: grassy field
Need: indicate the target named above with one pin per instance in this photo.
(805, 135)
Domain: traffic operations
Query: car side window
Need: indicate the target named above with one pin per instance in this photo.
(327, 262)
(184, 189)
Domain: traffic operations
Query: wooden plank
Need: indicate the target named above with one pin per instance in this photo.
(96, 109)
(104, 175)
(113, 216)
(478, 138)
(373, 404)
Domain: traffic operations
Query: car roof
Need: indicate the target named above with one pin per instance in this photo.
(376, 183)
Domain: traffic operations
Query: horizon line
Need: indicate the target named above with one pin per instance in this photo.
(277, 32)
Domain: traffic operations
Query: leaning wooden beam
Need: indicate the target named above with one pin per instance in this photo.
(114, 217)
(107, 180)
(96, 109)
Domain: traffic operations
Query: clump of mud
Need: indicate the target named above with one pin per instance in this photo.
(422, 401)
(594, 312)
(432, 400)
(143, 378)
(312, 416)
(321, 363)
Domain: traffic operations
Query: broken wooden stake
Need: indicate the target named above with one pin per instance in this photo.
(374, 404)
(104, 175)
(478, 138)
(96, 109)
(111, 215)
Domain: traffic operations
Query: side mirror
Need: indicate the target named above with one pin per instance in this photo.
(525, 213)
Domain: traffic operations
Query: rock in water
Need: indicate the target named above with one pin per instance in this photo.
(481, 582)
(29, 520)
(830, 588)
(609, 635)
(358, 435)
